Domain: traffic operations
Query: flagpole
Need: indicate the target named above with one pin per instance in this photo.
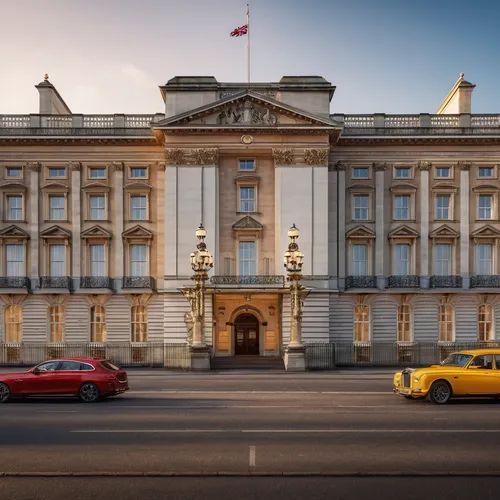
(248, 44)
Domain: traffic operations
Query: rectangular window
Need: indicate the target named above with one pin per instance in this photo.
(402, 207)
(247, 199)
(443, 172)
(361, 211)
(246, 164)
(138, 207)
(442, 259)
(14, 172)
(138, 173)
(15, 207)
(97, 260)
(248, 258)
(57, 260)
(97, 207)
(485, 206)
(139, 261)
(56, 315)
(15, 260)
(484, 259)
(402, 259)
(57, 172)
(56, 207)
(443, 206)
(402, 173)
(359, 260)
(486, 172)
(360, 173)
(361, 323)
(97, 173)
(445, 324)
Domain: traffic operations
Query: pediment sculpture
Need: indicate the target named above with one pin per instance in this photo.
(246, 113)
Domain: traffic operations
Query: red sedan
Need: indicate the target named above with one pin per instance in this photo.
(88, 378)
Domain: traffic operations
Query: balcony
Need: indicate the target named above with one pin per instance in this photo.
(139, 282)
(485, 281)
(14, 282)
(95, 282)
(278, 280)
(55, 282)
(361, 282)
(446, 282)
(403, 282)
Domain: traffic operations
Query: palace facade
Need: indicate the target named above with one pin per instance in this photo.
(399, 219)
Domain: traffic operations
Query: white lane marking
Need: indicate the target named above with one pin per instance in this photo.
(348, 393)
(251, 457)
(287, 431)
(56, 411)
(150, 431)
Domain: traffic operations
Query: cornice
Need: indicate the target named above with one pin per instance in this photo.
(191, 156)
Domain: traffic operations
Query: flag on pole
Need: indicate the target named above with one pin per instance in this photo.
(242, 30)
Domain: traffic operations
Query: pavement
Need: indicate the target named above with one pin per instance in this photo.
(324, 429)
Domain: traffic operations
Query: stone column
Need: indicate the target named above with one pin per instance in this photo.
(34, 222)
(119, 270)
(464, 223)
(424, 167)
(76, 217)
(380, 169)
(341, 208)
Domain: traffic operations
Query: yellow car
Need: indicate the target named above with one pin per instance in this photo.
(464, 373)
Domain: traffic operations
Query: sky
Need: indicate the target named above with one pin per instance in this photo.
(383, 56)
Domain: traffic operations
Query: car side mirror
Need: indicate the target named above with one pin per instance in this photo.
(36, 371)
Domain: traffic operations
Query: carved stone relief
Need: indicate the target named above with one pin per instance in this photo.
(424, 165)
(247, 113)
(174, 156)
(206, 156)
(316, 156)
(283, 156)
(464, 165)
(380, 166)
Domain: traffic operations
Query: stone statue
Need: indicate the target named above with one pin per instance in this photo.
(188, 320)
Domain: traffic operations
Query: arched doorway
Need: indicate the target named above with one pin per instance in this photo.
(246, 335)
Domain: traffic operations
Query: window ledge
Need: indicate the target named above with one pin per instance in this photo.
(138, 221)
(56, 221)
(245, 213)
(14, 221)
(97, 221)
(362, 220)
(398, 221)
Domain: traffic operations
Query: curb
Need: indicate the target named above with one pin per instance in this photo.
(251, 474)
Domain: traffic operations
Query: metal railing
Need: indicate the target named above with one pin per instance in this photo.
(95, 282)
(446, 282)
(361, 282)
(14, 282)
(139, 282)
(248, 280)
(485, 281)
(403, 281)
(55, 282)
(153, 354)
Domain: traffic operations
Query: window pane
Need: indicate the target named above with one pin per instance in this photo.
(15, 260)
(97, 261)
(248, 262)
(361, 207)
(360, 172)
(13, 172)
(486, 172)
(13, 324)
(97, 173)
(56, 207)
(402, 259)
(484, 259)
(57, 172)
(443, 172)
(97, 207)
(97, 324)
(402, 173)
(247, 199)
(361, 323)
(15, 207)
(402, 207)
(247, 164)
(443, 259)
(404, 323)
(485, 323)
(138, 207)
(137, 172)
(57, 260)
(139, 324)
(359, 260)
(442, 207)
(446, 313)
(485, 204)
(139, 264)
(56, 318)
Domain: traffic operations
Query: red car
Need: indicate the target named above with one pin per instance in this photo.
(88, 378)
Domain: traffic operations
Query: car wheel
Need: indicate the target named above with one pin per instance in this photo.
(4, 393)
(440, 392)
(89, 393)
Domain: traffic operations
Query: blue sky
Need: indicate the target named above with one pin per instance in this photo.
(109, 56)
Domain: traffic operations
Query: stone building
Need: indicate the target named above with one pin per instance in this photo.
(398, 216)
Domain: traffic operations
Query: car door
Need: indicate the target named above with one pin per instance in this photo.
(42, 379)
(68, 377)
(479, 377)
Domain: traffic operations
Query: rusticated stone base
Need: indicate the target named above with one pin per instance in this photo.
(295, 359)
(200, 359)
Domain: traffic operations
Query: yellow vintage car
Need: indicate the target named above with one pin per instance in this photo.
(462, 374)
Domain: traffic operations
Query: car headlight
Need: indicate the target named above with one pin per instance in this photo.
(416, 379)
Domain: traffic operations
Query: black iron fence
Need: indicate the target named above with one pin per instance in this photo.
(325, 356)
(152, 354)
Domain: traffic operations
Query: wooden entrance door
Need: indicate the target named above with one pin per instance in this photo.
(246, 332)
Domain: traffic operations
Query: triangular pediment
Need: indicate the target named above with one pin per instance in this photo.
(96, 232)
(444, 232)
(403, 232)
(96, 186)
(486, 232)
(55, 232)
(138, 185)
(56, 186)
(137, 232)
(13, 232)
(243, 110)
(248, 222)
(360, 232)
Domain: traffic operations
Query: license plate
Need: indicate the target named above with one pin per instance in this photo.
(403, 391)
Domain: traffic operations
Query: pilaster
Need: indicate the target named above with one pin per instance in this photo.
(117, 168)
(380, 169)
(464, 222)
(424, 167)
(76, 244)
(34, 221)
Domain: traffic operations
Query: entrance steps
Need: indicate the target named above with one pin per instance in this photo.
(247, 362)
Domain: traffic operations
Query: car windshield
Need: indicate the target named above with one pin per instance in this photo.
(109, 365)
(456, 360)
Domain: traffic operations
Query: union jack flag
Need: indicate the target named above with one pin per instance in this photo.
(242, 30)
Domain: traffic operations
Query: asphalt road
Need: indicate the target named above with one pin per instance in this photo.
(339, 424)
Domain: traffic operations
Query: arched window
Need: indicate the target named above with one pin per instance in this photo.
(361, 323)
(139, 324)
(13, 324)
(97, 324)
(404, 323)
(486, 331)
(56, 323)
(446, 320)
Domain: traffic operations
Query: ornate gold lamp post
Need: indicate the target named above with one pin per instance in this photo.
(201, 262)
(293, 260)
